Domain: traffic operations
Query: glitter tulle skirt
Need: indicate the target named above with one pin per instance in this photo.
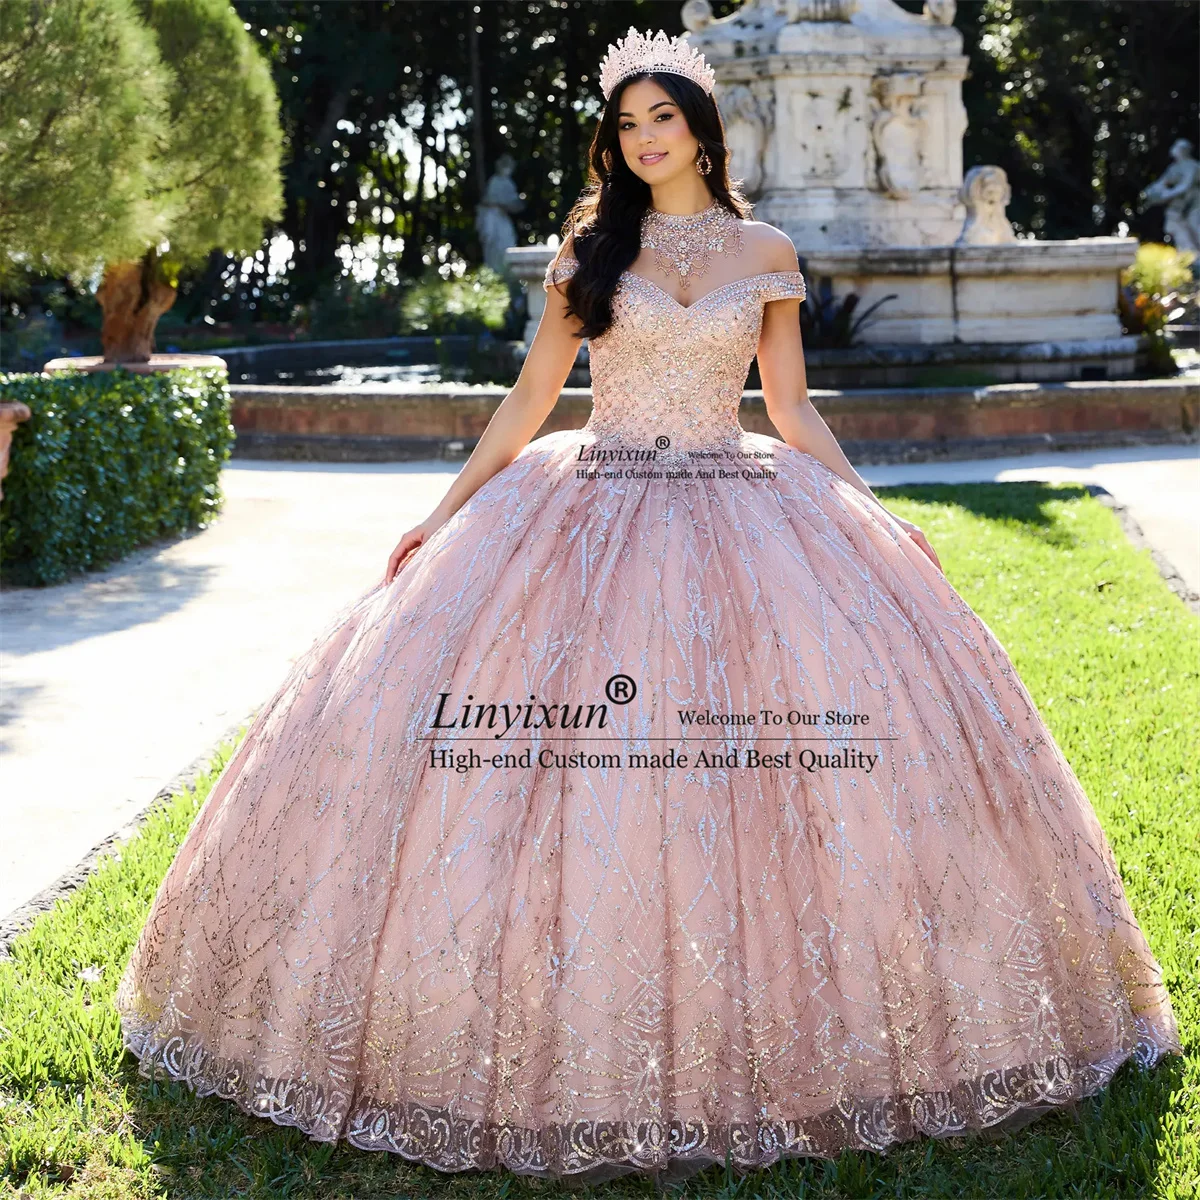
(576, 961)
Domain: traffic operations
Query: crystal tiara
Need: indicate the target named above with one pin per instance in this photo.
(639, 52)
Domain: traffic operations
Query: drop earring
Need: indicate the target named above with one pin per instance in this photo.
(703, 162)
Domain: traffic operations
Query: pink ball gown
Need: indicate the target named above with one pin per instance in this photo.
(611, 923)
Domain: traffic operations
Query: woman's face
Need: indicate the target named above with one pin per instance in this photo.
(655, 139)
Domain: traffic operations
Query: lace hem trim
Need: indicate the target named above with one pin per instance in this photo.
(592, 1150)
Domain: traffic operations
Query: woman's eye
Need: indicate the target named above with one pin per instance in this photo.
(660, 117)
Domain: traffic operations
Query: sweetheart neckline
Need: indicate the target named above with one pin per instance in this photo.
(719, 288)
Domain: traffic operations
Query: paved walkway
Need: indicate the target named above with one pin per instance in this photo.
(113, 684)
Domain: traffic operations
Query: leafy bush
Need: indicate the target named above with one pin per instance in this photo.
(108, 462)
(475, 302)
(1157, 289)
(1159, 269)
(348, 308)
(472, 302)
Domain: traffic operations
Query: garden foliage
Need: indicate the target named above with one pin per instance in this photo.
(108, 462)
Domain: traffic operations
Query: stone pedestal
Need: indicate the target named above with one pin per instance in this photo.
(158, 362)
(528, 266)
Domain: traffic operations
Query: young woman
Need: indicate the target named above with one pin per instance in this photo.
(663, 800)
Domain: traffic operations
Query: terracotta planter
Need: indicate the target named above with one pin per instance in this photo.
(12, 413)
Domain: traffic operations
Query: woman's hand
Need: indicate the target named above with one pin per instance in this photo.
(919, 537)
(408, 543)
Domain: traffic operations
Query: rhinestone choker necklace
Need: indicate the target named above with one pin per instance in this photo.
(683, 243)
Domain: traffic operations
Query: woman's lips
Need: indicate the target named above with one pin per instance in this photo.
(649, 159)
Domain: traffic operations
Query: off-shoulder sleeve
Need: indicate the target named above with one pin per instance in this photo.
(560, 271)
(784, 285)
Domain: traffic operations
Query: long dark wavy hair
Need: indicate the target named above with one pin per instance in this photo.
(605, 223)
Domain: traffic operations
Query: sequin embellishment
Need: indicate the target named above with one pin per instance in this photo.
(592, 969)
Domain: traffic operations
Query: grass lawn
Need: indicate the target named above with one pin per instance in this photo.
(1113, 659)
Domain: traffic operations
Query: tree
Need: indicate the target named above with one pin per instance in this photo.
(82, 106)
(217, 173)
(394, 125)
(1080, 103)
(195, 123)
(396, 110)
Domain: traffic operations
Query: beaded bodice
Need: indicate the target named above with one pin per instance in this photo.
(663, 369)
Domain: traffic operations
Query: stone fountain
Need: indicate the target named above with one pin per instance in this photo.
(845, 123)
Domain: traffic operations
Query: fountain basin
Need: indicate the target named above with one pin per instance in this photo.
(1025, 311)
(1053, 293)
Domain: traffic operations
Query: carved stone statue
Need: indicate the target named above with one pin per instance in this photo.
(492, 221)
(817, 10)
(897, 132)
(1178, 188)
(986, 193)
(746, 126)
(696, 15)
(940, 11)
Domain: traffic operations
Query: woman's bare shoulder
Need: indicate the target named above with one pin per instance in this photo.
(772, 249)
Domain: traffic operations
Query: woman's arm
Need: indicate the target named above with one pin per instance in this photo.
(520, 415)
(785, 392)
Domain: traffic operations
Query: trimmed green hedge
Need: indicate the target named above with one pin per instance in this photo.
(108, 462)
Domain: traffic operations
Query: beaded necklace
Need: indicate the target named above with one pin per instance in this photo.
(683, 243)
